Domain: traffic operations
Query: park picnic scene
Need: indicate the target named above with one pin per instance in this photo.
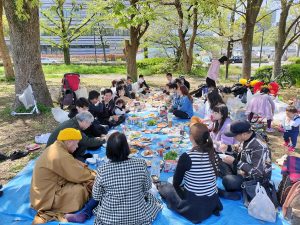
(149, 112)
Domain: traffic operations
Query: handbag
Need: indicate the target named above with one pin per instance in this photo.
(249, 191)
(284, 188)
(261, 207)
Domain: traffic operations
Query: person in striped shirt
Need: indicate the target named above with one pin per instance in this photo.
(197, 169)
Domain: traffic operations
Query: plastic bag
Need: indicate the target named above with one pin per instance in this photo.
(261, 207)
(59, 114)
(249, 96)
(82, 93)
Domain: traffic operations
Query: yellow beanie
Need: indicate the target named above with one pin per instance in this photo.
(69, 134)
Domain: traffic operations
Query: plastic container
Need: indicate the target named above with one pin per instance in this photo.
(155, 166)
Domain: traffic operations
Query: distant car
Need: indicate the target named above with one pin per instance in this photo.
(48, 61)
(236, 59)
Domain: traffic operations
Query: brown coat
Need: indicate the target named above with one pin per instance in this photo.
(60, 183)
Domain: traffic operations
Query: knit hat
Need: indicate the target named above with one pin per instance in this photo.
(195, 120)
(69, 134)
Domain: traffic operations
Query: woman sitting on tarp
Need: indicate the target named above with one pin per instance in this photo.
(198, 198)
(185, 105)
(222, 143)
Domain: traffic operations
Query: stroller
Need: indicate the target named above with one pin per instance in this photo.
(70, 84)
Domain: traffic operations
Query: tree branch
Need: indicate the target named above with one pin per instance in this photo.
(79, 28)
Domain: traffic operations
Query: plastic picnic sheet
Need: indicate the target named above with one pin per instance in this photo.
(15, 203)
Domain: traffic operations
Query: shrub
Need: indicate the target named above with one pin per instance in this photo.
(264, 73)
(294, 60)
(293, 71)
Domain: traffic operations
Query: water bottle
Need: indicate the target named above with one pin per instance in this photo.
(155, 166)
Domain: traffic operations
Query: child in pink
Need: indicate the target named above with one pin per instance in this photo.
(261, 104)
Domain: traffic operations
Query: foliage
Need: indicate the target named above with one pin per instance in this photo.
(292, 70)
(294, 60)
(23, 7)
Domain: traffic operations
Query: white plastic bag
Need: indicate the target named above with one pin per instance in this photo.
(82, 93)
(249, 96)
(59, 114)
(261, 207)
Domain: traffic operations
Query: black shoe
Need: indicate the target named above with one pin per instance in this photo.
(1, 193)
(229, 195)
(17, 155)
(3, 157)
(87, 155)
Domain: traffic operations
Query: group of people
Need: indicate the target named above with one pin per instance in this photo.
(63, 188)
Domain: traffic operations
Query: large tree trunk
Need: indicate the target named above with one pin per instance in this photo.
(67, 59)
(281, 38)
(229, 53)
(252, 10)
(130, 54)
(25, 42)
(7, 64)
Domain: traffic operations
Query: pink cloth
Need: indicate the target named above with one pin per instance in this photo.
(263, 105)
(213, 71)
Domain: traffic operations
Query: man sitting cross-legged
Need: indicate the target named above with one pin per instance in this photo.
(60, 183)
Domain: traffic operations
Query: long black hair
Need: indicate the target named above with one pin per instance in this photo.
(223, 110)
(214, 98)
(201, 136)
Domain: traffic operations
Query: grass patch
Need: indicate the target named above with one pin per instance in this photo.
(34, 155)
(5, 113)
(52, 71)
(16, 168)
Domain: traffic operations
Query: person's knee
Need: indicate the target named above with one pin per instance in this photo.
(232, 182)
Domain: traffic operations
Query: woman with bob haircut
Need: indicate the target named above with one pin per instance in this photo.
(122, 187)
(185, 105)
(197, 168)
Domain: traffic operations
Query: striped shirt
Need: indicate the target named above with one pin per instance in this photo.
(196, 170)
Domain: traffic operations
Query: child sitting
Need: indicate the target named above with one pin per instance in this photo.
(291, 125)
(185, 106)
(120, 107)
(262, 105)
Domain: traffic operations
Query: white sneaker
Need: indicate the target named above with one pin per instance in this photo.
(270, 130)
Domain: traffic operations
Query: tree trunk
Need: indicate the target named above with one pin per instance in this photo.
(146, 56)
(7, 64)
(25, 42)
(229, 53)
(281, 38)
(298, 48)
(252, 10)
(130, 54)
(67, 59)
(103, 48)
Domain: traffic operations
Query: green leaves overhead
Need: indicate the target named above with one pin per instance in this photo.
(23, 7)
(122, 15)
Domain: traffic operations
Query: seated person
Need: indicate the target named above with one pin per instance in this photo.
(169, 77)
(185, 82)
(213, 99)
(253, 161)
(121, 94)
(141, 86)
(95, 105)
(185, 106)
(128, 88)
(80, 122)
(222, 143)
(60, 183)
(113, 86)
(120, 108)
(174, 97)
(122, 187)
(198, 199)
(83, 105)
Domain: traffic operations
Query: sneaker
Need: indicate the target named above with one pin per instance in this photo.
(270, 130)
(291, 149)
(286, 144)
(17, 155)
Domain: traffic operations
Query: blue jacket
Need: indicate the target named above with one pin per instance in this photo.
(186, 105)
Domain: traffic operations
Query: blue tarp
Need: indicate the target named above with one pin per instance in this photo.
(15, 204)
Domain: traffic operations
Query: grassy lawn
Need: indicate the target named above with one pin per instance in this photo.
(18, 132)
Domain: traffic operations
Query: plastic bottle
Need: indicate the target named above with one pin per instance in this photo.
(155, 166)
(169, 117)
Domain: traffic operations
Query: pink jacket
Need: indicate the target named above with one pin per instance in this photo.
(213, 71)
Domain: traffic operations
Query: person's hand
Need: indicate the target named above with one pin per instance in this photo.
(115, 117)
(223, 148)
(236, 147)
(97, 103)
(228, 159)
(241, 172)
